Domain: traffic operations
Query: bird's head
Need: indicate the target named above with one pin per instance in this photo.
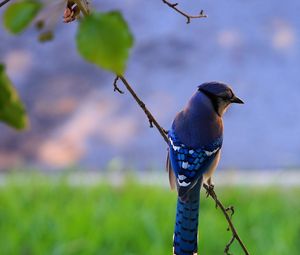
(220, 95)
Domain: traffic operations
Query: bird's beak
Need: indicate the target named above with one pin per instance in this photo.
(236, 100)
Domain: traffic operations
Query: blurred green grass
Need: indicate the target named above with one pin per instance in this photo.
(46, 215)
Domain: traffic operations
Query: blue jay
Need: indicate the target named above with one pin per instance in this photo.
(195, 141)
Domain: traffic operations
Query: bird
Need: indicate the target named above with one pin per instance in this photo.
(195, 142)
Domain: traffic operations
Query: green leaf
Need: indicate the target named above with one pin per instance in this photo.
(12, 111)
(104, 39)
(19, 15)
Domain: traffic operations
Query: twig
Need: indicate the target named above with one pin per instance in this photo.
(83, 6)
(150, 117)
(231, 210)
(227, 248)
(188, 16)
(116, 88)
(235, 235)
(4, 2)
(209, 189)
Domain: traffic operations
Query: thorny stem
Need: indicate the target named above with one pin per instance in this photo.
(186, 15)
(4, 2)
(228, 212)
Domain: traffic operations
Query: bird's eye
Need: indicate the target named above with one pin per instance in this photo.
(225, 96)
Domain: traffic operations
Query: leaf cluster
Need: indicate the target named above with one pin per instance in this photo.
(103, 39)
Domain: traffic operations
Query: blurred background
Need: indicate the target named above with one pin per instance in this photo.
(78, 122)
(76, 119)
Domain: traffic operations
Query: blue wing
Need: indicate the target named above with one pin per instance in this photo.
(189, 164)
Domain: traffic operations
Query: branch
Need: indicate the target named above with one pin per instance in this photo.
(150, 117)
(82, 5)
(210, 191)
(116, 88)
(4, 2)
(228, 212)
(188, 16)
(227, 248)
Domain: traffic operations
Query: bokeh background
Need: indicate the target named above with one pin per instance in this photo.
(76, 119)
(78, 122)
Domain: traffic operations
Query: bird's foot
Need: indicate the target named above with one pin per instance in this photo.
(210, 186)
(210, 191)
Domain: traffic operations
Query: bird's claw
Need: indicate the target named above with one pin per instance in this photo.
(209, 189)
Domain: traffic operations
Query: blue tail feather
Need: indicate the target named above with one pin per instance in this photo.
(186, 227)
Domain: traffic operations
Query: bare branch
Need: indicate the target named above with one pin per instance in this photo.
(4, 2)
(186, 15)
(227, 248)
(83, 5)
(211, 193)
(231, 210)
(74, 8)
(149, 115)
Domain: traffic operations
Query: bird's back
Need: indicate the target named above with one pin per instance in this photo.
(195, 139)
(198, 124)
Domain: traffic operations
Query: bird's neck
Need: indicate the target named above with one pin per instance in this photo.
(198, 124)
(202, 112)
(205, 121)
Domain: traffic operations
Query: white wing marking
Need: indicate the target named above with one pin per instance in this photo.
(209, 153)
(176, 148)
(185, 165)
(183, 184)
(181, 177)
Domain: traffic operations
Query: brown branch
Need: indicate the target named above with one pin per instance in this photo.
(211, 193)
(228, 212)
(82, 5)
(150, 117)
(186, 15)
(227, 248)
(4, 2)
